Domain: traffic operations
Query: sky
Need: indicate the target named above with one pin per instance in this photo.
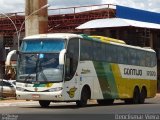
(10, 6)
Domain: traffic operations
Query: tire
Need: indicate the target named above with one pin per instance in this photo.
(105, 102)
(136, 96)
(85, 95)
(143, 95)
(44, 103)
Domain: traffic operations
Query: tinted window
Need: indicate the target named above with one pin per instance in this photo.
(111, 53)
(96, 51)
(72, 57)
(141, 57)
(132, 56)
(42, 45)
(86, 50)
(122, 55)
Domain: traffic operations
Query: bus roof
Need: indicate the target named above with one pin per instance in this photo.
(53, 35)
(90, 38)
(108, 39)
(112, 41)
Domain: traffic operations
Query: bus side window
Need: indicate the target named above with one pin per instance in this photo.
(141, 56)
(122, 55)
(132, 57)
(153, 59)
(148, 59)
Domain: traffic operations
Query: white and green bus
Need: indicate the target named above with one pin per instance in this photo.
(63, 67)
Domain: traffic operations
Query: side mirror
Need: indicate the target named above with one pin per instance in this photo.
(8, 59)
(61, 56)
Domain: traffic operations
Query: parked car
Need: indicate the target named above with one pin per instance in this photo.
(7, 88)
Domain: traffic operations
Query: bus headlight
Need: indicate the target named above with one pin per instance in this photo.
(20, 89)
(55, 89)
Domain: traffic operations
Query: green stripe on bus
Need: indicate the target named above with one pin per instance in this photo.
(39, 85)
(106, 80)
(111, 79)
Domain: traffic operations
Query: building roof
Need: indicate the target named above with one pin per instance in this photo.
(137, 14)
(117, 22)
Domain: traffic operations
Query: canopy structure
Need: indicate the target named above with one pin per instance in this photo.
(117, 22)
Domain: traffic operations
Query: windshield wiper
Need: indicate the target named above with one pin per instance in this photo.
(27, 77)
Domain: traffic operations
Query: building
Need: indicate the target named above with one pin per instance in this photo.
(135, 27)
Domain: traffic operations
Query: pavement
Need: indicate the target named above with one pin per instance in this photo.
(11, 101)
(157, 95)
(14, 102)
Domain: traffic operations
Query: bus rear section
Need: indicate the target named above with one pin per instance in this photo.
(122, 71)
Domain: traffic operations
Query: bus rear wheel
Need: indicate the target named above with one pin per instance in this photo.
(105, 102)
(44, 103)
(136, 96)
(143, 95)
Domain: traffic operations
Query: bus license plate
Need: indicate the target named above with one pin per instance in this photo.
(36, 96)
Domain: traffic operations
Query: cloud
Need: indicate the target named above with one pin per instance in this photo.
(69, 3)
(10, 6)
(151, 5)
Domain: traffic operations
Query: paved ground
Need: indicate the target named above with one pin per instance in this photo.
(68, 111)
(14, 102)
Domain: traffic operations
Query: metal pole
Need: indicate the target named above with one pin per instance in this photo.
(2, 74)
(2, 84)
(19, 35)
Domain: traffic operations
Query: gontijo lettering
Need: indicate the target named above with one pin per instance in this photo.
(130, 71)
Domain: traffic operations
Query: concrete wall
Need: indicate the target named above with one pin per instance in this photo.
(38, 22)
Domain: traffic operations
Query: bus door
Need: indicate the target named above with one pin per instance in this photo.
(71, 75)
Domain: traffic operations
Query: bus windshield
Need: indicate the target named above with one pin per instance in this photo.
(39, 62)
(43, 45)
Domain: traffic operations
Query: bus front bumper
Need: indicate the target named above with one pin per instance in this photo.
(51, 96)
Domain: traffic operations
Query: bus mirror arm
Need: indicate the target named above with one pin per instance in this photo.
(8, 59)
(61, 56)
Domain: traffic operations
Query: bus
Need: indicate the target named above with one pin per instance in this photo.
(65, 67)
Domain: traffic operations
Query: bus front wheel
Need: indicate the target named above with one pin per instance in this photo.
(85, 95)
(44, 103)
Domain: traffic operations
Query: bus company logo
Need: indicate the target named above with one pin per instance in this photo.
(130, 71)
(71, 92)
